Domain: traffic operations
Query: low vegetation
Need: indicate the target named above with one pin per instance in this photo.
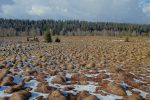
(126, 39)
(47, 36)
(57, 40)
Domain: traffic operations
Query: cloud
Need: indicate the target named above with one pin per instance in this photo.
(146, 9)
(38, 10)
(133, 11)
(6, 2)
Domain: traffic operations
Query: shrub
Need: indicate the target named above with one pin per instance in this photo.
(126, 39)
(47, 37)
(36, 39)
(28, 39)
(57, 40)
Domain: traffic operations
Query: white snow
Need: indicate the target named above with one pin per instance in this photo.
(2, 89)
(32, 83)
(91, 75)
(143, 94)
(17, 79)
(37, 94)
(102, 71)
(68, 75)
(129, 92)
(90, 88)
(108, 97)
(138, 81)
(147, 69)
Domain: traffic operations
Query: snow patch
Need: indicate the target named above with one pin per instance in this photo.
(17, 80)
(142, 93)
(2, 89)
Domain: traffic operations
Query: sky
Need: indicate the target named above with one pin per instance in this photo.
(124, 11)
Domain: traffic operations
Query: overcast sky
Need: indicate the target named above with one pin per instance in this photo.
(133, 11)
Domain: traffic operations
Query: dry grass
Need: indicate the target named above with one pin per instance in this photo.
(84, 54)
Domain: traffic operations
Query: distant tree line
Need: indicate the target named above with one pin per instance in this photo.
(16, 27)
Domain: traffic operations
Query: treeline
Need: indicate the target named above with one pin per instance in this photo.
(16, 27)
